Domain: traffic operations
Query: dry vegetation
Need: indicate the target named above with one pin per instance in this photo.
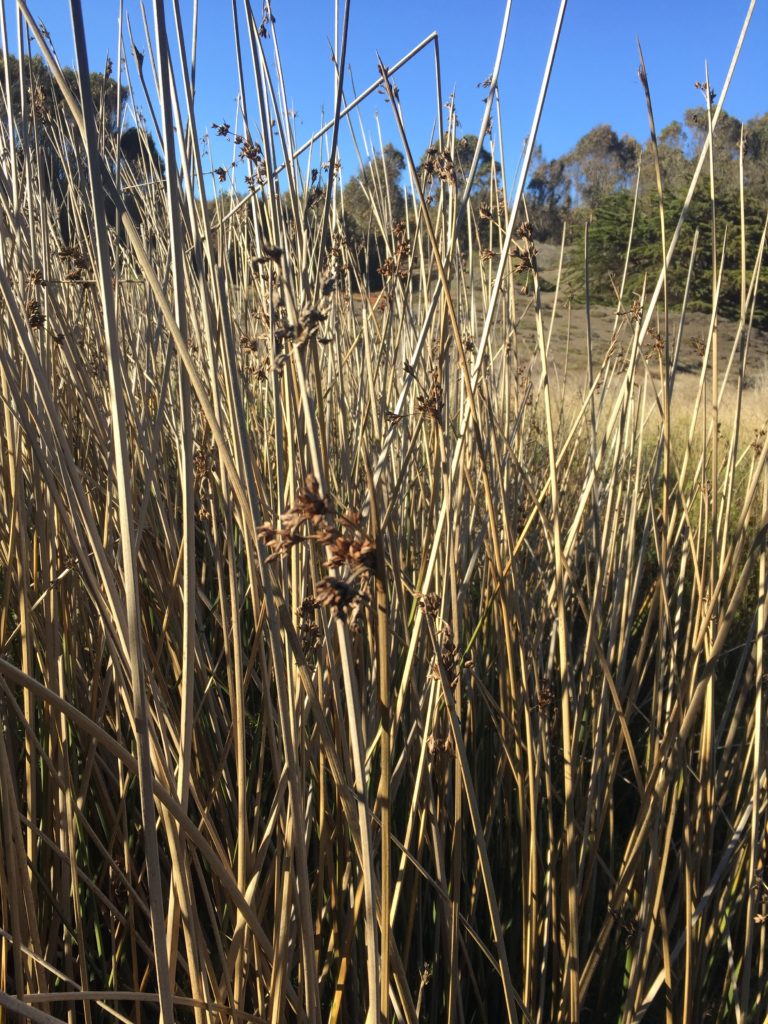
(363, 662)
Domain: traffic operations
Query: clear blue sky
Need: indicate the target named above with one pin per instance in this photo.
(595, 78)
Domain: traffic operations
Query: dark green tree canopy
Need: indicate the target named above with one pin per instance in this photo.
(137, 145)
(459, 159)
(43, 97)
(44, 106)
(609, 231)
(373, 198)
(548, 196)
(601, 163)
(33, 101)
(595, 183)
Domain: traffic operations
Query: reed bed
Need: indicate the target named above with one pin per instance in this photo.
(351, 668)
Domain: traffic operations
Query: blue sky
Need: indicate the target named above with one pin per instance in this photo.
(594, 81)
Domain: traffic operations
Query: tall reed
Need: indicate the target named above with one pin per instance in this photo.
(350, 668)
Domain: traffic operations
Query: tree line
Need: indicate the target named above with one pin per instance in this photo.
(605, 186)
(591, 188)
(37, 122)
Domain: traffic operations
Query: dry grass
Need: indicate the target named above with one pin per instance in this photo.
(363, 663)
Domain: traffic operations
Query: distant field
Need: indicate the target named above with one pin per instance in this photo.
(569, 334)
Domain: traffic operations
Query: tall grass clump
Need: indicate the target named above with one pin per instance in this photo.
(352, 668)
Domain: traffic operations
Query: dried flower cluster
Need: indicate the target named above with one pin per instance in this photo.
(249, 150)
(348, 546)
(431, 403)
(352, 548)
(309, 507)
(709, 94)
(343, 598)
(34, 314)
(338, 254)
(437, 745)
(635, 311)
(40, 104)
(310, 634)
(397, 265)
(546, 705)
(202, 466)
(526, 252)
(449, 655)
(75, 262)
(657, 339)
(308, 328)
(438, 164)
